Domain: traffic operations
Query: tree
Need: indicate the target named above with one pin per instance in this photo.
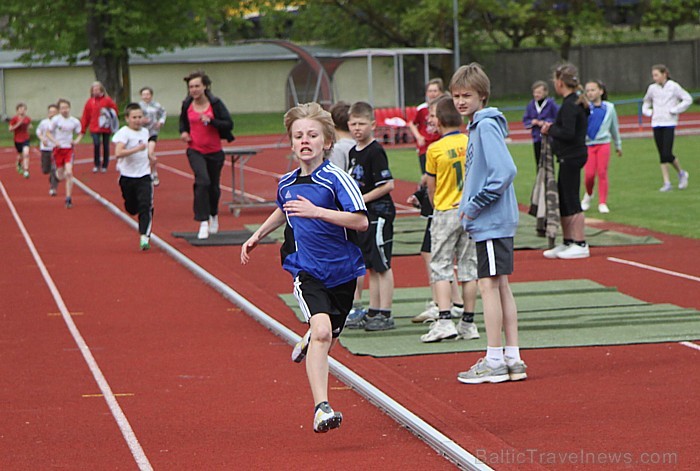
(105, 31)
(671, 14)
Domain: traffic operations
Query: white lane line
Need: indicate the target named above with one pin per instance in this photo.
(424, 431)
(653, 268)
(127, 432)
(690, 345)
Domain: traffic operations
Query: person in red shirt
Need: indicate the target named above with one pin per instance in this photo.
(423, 132)
(90, 120)
(204, 121)
(19, 126)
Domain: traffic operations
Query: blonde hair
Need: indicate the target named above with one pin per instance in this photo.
(315, 112)
(473, 77)
(436, 81)
(98, 84)
(568, 75)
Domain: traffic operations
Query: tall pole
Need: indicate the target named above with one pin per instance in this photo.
(455, 33)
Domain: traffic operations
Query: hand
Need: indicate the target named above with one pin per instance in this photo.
(157, 126)
(248, 247)
(420, 140)
(303, 208)
(204, 119)
(142, 146)
(412, 200)
(545, 128)
(423, 180)
(185, 136)
(619, 152)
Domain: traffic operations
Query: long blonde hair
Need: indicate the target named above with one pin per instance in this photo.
(568, 75)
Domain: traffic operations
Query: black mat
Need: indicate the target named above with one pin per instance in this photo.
(220, 238)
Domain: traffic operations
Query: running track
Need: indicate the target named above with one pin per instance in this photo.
(197, 396)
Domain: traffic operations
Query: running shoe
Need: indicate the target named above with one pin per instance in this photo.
(25, 174)
(575, 251)
(516, 369)
(481, 372)
(683, 180)
(552, 253)
(325, 418)
(586, 202)
(103, 170)
(144, 242)
(431, 313)
(378, 323)
(69, 202)
(301, 347)
(667, 187)
(441, 329)
(603, 208)
(156, 180)
(356, 318)
(203, 230)
(52, 192)
(20, 169)
(95, 169)
(213, 224)
(467, 330)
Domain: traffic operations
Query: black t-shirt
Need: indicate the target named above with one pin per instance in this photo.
(370, 169)
(568, 131)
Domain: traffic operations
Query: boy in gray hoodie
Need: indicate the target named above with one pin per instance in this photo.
(489, 212)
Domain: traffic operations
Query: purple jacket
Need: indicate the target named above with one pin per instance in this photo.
(548, 113)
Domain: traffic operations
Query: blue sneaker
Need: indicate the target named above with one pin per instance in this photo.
(378, 323)
(356, 318)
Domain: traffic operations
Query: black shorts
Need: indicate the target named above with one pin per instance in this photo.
(376, 243)
(494, 257)
(153, 138)
(20, 146)
(314, 298)
(425, 247)
(569, 185)
(663, 137)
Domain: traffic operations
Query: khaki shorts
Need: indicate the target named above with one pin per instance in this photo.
(450, 246)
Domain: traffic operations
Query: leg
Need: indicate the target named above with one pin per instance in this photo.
(96, 149)
(493, 311)
(510, 312)
(590, 169)
(215, 163)
(602, 163)
(152, 158)
(374, 293)
(574, 227)
(317, 356)
(145, 205)
(538, 152)
(25, 158)
(105, 150)
(201, 185)
(68, 173)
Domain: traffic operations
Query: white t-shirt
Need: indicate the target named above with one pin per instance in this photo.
(340, 152)
(41, 130)
(135, 165)
(63, 130)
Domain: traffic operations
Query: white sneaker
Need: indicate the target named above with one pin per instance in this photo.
(586, 202)
(441, 329)
(467, 330)
(213, 224)
(552, 253)
(94, 169)
(431, 313)
(666, 187)
(325, 418)
(603, 208)
(574, 251)
(203, 230)
(52, 192)
(683, 180)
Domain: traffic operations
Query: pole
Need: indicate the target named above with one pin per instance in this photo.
(455, 33)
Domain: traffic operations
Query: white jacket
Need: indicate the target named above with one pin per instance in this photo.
(665, 103)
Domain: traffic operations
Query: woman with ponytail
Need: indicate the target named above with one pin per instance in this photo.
(568, 138)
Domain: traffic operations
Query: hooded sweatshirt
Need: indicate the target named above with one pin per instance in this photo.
(665, 102)
(603, 125)
(488, 208)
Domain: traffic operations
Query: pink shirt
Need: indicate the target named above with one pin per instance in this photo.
(205, 138)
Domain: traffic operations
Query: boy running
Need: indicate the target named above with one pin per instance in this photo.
(369, 166)
(323, 208)
(153, 119)
(65, 133)
(134, 165)
(444, 169)
(19, 126)
(489, 212)
(46, 148)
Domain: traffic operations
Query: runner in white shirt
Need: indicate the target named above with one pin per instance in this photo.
(134, 165)
(64, 133)
(46, 148)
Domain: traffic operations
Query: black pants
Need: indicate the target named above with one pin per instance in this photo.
(49, 168)
(105, 148)
(207, 177)
(537, 146)
(663, 136)
(138, 199)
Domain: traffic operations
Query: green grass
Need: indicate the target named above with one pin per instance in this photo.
(635, 178)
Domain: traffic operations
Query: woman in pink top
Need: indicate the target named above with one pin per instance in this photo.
(90, 120)
(204, 121)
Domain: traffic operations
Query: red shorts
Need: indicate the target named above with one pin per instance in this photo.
(62, 156)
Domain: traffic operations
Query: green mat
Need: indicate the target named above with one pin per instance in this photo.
(408, 236)
(569, 313)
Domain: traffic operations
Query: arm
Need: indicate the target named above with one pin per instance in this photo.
(222, 118)
(420, 140)
(430, 183)
(303, 208)
(567, 130)
(529, 116)
(647, 103)
(121, 150)
(379, 191)
(615, 129)
(184, 124)
(275, 220)
(685, 100)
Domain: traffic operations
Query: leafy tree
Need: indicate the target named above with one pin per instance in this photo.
(670, 14)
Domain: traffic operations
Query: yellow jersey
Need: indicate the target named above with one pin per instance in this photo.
(445, 161)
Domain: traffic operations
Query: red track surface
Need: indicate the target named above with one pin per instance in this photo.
(201, 402)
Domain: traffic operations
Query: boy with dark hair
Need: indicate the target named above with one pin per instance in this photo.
(134, 165)
(343, 139)
(370, 168)
(46, 147)
(489, 212)
(19, 126)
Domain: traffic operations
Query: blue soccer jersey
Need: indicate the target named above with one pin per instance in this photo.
(324, 250)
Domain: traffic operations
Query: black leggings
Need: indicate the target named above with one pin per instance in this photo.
(663, 136)
(105, 146)
(207, 177)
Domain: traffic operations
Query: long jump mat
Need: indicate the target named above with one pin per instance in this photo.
(220, 238)
(409, 230)
(568, 313)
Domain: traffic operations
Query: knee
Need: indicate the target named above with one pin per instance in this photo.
(322, 334)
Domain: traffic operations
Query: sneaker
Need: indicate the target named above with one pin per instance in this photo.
(52, 192)
(456, 312)
(326, 418)
(379, 322)
(144, 242)
(431, 313)
(665, 188)
(301, 347)
(25, 174)
(94, 169)
(441, 329)
(356, 318)
(574, 251)
(103, 170)
(20, 169)
(586, 202)
(552, 253)
(516, 369)
(213, 224)
(203, 230)
(603, 208)
(69, 202)
(683, 180)
(156, 180)
(467, 330)
(481, 372)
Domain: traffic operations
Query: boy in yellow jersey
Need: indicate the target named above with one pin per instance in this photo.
(450, 245)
